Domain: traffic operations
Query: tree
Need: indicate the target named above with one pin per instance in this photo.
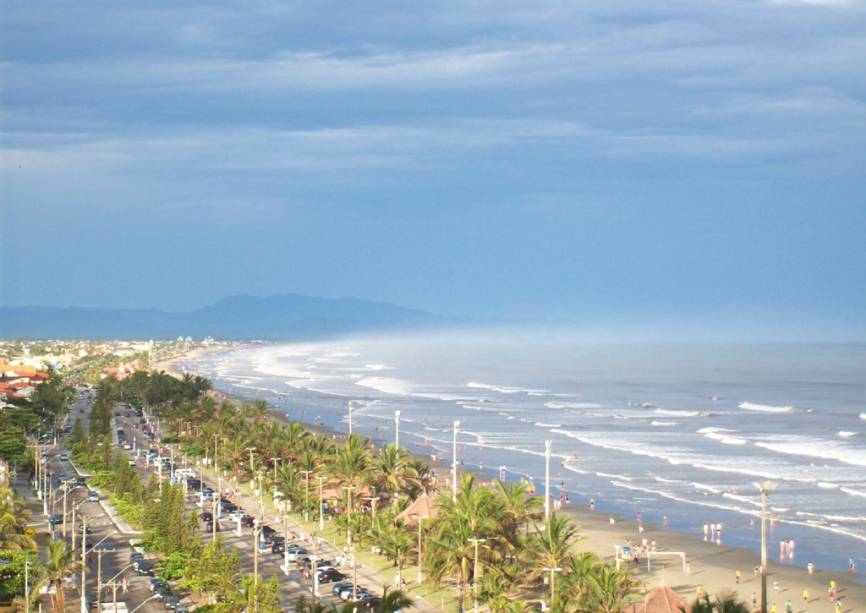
(395, 600)
(59, 564)
(550, 548)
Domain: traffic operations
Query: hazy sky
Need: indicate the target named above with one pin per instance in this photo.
(495, 158)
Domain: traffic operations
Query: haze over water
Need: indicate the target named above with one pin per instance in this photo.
(681, 430)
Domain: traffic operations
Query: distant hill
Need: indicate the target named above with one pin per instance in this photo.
(286, 316)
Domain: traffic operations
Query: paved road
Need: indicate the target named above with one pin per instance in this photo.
(104, 534)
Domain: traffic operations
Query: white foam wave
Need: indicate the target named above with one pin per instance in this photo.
(378, 367)
(664, 480)
(674, 413)
(707, 488)
(816, 448)
(862, 415)
(765, 408)
(659, 423)
(541, 424)
(505, 389)
(853, 492)
(847, 434)
(386, 385)
(718, 434)
(573, 405)
(613, 476)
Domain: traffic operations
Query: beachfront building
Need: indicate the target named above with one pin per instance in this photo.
(660, 600)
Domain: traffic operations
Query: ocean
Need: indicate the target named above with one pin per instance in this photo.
(681, 431)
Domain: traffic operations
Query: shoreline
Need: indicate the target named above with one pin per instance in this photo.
(711, 567)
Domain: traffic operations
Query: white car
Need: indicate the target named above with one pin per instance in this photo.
(127, 446)
(235, 516)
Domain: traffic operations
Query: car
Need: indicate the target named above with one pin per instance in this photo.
(247, 521)
(227, 505)
(339, 587)
(92, 496)
(209, 526)
(127, 446)
(346, 594)
(170, 601)
(79, 481)
(56, 519)
(162, 592)
(143, 567)
(371, 603)
(64, 456)
(206, 516)
(236, 514)
(278, 547)
(135, 557)
(84, 529)
(154, 583)
(331, 575)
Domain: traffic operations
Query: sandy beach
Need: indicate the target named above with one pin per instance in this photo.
(710, 567)
(713, 567)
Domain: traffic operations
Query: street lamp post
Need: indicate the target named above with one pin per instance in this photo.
(552, 570)
(546, 479)
(83, 565)
(307, 494)
(397, 429)
(476, 542)
(420, 576)
(454, 465)
(350, 418)
(321, 503)
(349, 489)
(765, 488)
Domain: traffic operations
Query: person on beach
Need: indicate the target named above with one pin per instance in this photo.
(789, 608)
(831, 591)
(805, 596)
(754, 600)
(811, 568)
(852, 568)
(737, 577)
(592, 508)
(773, 607)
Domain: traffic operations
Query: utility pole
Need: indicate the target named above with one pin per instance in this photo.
(27, 585)
(349, 489)
(84, 566)
(252, 462)
(454, 465)
(276, 462)
(98, 575)
(354, 576)
(257, 530)
(476, 542)
(546, 480)
(350, 418)
(65, 490)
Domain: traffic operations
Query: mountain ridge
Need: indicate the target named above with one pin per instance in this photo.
(240, 316)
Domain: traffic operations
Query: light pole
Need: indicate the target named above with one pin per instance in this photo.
(397, 429)
(349, 489)
(476, 542)
(83, 565)
(65, 491)
(350, 418)
(252, 463)
(307, 495)
(321, 503)
(420, 576)
(276, 462)
(454, 465)
(546, 479)
(765, 488)
(552, 570)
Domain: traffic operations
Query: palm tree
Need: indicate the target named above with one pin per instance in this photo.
(396, 544)
(473, 514)
(724, 602)
(610, 589)
(396, 600)
(551, 547)
(394, 472)
(12, 516)
(520, 507)
(578, 570)
(60, 563)
(351, 465)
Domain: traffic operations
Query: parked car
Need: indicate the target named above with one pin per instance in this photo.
(330, 575)
(64, 456)
(206, 516)
(236, 514)
(92, 496)
(135, 557)
(170, 601)
(209, 526)
(57, 518)
(339, 587)
(154, 583)
(360, 592)
(278, 547)
(296, 553)
(247, 521)
(227, 505)
(143, 567)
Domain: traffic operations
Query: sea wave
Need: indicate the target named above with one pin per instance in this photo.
(765, 408)
(675, 413)
(573, 405)
(504, 389)
(660, 423)
(847, 434)
(386, 385)
(718, 434)
(816, 448)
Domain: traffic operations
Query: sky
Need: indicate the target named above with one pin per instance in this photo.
(591, 161)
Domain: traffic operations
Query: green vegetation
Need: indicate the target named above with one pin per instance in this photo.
(490, 540)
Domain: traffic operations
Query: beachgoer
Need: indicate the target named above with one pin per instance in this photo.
(805, 596)
(789, 608)
(773, 608)
(592, 508)
(664, 520)
(811, 568)
(776, 586)
(737, 577)
(838, 607)
(851, 566)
